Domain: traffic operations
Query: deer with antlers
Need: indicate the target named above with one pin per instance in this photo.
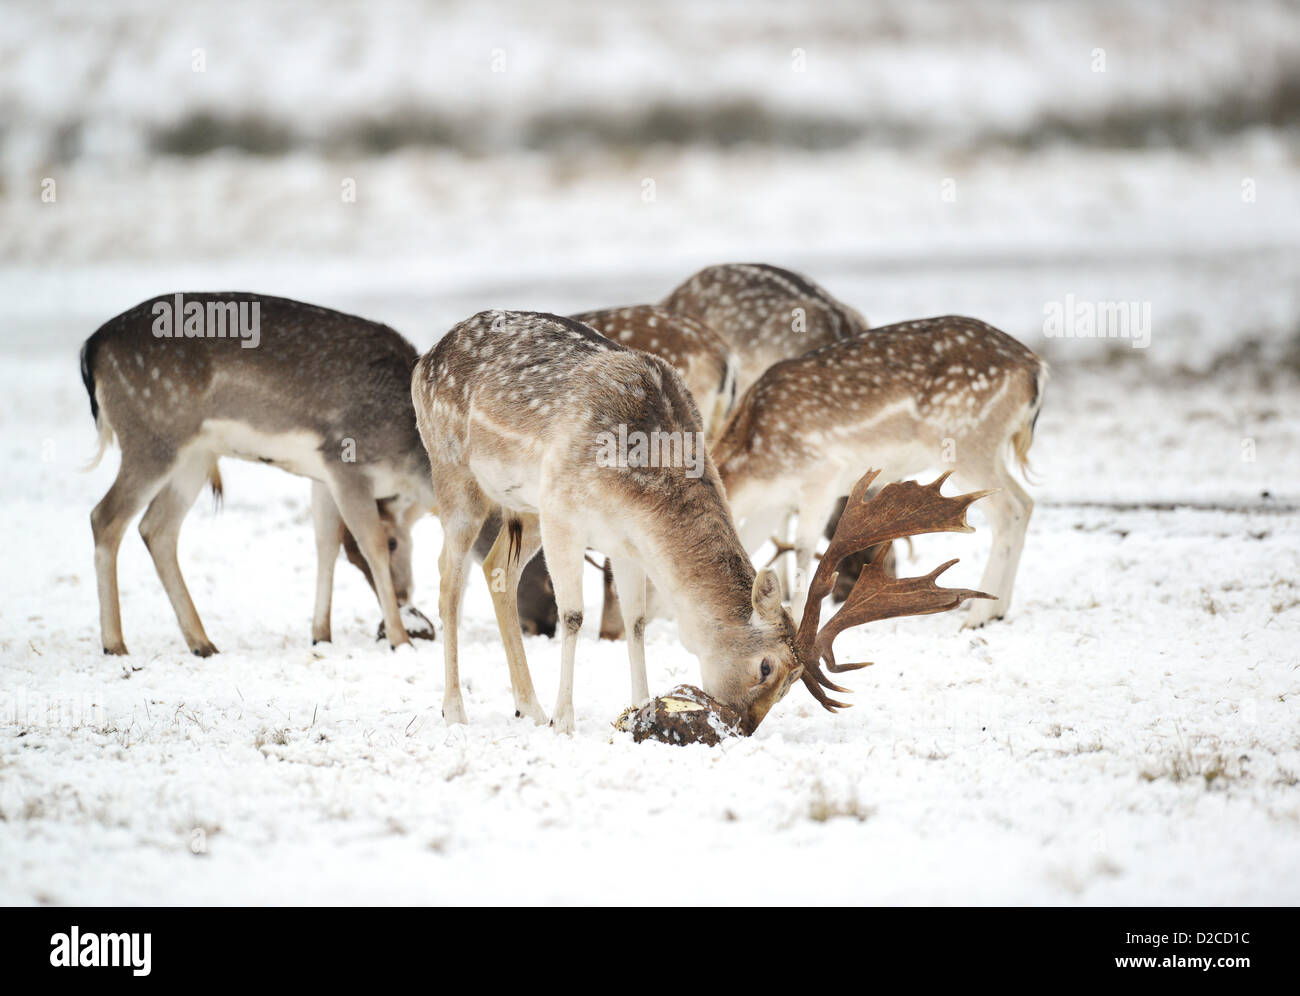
(516, 410)
(705, 365)
(904, 398)
(313, 391)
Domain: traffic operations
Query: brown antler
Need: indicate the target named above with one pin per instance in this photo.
(782, 548)
(900, 509)
(879, 596)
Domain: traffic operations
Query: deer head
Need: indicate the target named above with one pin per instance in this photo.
(898, 510)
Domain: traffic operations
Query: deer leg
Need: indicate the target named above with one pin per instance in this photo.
(1008, 512)
(502, 567)
(565, 558)
(160, 529)
(815, 506)
(361, 517)
(329, 533)
(807, 533)
(788, 582)
(763, 525)
(136, 483)
(631, 582)
(611, 611)
(536, 602)
(451, 582)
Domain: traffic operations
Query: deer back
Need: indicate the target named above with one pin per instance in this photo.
(904, 388)
(764, 313)
(284, 370)
(689, 346)
(528, 404)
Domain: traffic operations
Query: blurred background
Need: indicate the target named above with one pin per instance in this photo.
(417, 162)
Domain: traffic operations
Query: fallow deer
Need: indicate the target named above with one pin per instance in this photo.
(704, 363)
(689, 346)
(517, 410)
(183, 380)
(766, 314)
(763, 313)
(905, 398)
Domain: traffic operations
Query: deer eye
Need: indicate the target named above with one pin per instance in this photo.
(764, 670)
(392, 545)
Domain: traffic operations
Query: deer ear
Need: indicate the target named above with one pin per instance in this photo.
(767, 595)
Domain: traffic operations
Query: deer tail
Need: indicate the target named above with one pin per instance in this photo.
(1023, 437)
(214, 482)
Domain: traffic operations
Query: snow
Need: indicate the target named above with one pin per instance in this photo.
(1128, 735)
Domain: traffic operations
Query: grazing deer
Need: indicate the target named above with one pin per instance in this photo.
(517, 410)
(689, 346)
(904, 398)
(704, 363)
(186, 379)
(763, 313)
(766, 314)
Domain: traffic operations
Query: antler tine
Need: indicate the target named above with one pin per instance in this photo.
(878, 596)
(828, 703)
(823, 580)
(901, 509)
(782, 548)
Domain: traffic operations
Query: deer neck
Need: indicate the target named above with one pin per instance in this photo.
(699, 563)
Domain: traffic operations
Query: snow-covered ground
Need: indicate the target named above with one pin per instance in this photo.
(1130, 734)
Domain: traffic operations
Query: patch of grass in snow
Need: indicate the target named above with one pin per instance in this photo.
(822, 807)
(1287, 599)
(1092, 746)
(1188, 763)
(279, 737)
(62, 804)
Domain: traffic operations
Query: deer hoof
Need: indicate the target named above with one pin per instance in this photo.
(117, 650)
(203, 650)
(453, 712)
(563, 722)
(533, 712)
(982, 613)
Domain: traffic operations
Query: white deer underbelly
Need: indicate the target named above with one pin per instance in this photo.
(507, 482)
(895, 459)
(297, 452)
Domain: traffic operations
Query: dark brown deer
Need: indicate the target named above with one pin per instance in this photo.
(183, 380)
(517, 411)
(905, 398)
